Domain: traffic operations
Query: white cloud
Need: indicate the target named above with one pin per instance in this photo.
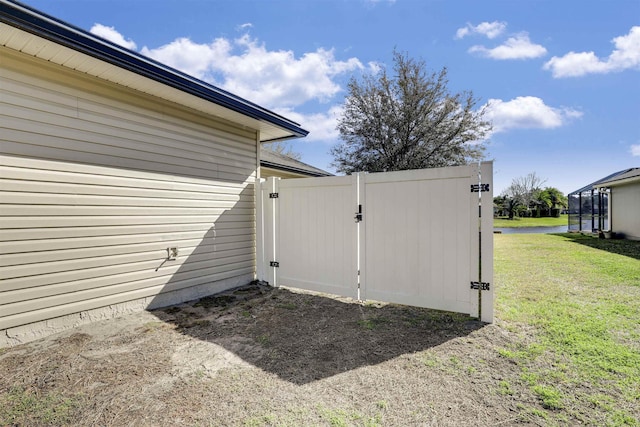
(193, 58)
(374, 67)
(244, 66)
(276, 79)
(635, 150)
(527, 112)
(111, 34)
(489, 29)
(321, 126)
(244, 26)
(626, 55)
(516, 47)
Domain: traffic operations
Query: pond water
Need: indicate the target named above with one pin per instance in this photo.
(530, 230)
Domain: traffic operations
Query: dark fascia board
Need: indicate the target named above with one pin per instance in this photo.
(33, 21)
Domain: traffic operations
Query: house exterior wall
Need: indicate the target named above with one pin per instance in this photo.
(625, 205)
(96, 182)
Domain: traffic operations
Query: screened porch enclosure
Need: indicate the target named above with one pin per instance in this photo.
(590, 206)
(589, 210)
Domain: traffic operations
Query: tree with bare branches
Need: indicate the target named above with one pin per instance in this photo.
(522, 192)
(408, 120)
(284, 148)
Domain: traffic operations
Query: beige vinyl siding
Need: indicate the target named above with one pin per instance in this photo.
(625, 201)
(97, 181)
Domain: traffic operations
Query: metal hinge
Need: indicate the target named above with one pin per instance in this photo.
(483, 286)
(274, 264)
(476, 188)
(273, 195)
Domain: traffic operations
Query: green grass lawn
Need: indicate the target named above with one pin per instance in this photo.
(530, 222)
(575, 302)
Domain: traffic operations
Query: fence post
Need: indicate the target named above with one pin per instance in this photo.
(271, 229)
(474, 240)
(260, 232)
(359, 183)
(486, 249)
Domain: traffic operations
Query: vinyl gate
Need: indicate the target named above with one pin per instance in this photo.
(420, 237)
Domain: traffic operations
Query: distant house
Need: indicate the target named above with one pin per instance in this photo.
(125, 184)
(610, 204)
(279, 165)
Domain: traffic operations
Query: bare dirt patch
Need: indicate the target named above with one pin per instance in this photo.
(262, 356)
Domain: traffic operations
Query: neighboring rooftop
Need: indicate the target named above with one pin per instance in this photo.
(607, 180)
(271, 159)
(631, 175)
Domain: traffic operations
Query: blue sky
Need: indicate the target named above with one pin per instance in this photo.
(562, 78)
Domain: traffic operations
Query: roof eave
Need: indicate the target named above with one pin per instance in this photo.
(599, 183)
(32, 21)
(291, 169)
(616, 183)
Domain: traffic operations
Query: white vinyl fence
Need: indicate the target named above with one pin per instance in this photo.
(420, 237)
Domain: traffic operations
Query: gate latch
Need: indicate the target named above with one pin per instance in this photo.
(483, 286)
(358, 216)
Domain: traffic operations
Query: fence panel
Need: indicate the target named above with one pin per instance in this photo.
(316, 234)
(425, 237)
(417, 231)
